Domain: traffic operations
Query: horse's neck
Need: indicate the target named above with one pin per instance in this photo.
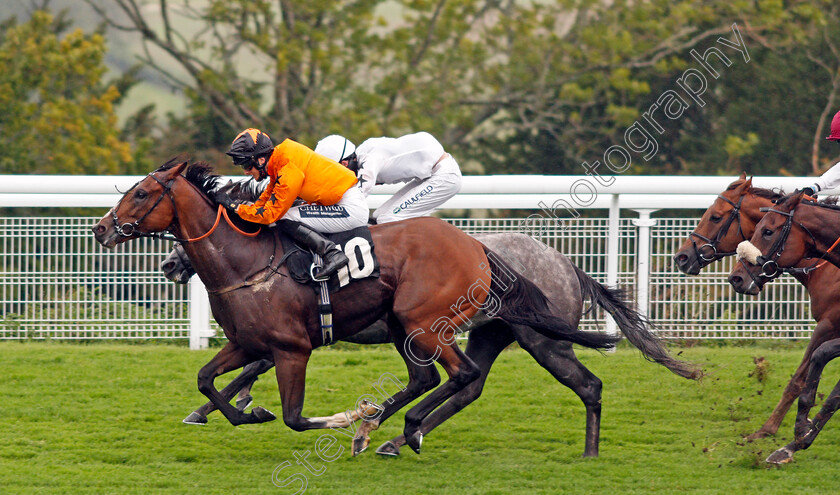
(223, 258)
(751, 209)
(824, 225)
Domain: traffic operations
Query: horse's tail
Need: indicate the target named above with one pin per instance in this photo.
(517, 301)
(633, 325)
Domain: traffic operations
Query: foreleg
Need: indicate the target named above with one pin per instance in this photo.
(231, 357)
(824, 331)
(241, 384)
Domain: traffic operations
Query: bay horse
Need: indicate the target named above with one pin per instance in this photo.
(562, 281)
(730, 220)
(791, 231)
(433, 277)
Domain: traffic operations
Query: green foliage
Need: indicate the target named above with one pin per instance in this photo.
(105, 418)
(56, 114)
(509, 87)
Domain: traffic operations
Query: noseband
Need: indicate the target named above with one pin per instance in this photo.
(710, 245)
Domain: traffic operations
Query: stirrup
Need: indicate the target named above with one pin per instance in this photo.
(312, 269)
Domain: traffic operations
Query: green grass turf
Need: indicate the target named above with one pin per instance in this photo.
(106, 418)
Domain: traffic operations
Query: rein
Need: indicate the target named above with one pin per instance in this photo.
(222, 211)
(711, 244)
(132, 229)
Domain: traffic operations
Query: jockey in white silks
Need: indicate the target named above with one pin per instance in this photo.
(432, 175)
(831, 178)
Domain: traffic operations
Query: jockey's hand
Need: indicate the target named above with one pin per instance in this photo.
(809, 191)
(225, 200)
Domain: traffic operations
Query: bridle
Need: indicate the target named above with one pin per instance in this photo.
(133, 229)
(711, 244)
(769, 263)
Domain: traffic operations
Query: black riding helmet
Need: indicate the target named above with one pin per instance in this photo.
(248, 145)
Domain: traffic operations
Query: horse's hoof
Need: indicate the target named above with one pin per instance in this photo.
(262, 415)
(388, 448)
(415, 441)
(757, 435)
(195, 419)
(782, 456)
(360, 444)
(244, 402)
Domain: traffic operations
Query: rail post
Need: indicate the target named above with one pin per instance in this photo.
(644, 223)
(612, 254)
(199, 315)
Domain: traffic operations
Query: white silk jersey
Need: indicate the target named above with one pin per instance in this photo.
(385, 160)
(829, 180)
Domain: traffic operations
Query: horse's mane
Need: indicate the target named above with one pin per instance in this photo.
(761, 192)
(201, 175)
(767, 193)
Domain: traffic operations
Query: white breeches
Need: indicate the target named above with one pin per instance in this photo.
(420, 197)
(350, 212)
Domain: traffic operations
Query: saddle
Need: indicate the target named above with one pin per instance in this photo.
(357, 244)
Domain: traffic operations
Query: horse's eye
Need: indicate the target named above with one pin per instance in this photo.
(715, 219)
(767, 233)
(141, 194)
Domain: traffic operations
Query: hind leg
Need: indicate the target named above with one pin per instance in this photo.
(483, 347)
(421, 379)
(461, 371)
(559, 359)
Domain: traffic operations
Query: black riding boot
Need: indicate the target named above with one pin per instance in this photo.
(332, 257)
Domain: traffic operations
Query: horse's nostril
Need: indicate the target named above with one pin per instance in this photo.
(735, 280)
(167, 266)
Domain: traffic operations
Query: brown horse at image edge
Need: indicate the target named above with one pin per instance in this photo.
(796, 232)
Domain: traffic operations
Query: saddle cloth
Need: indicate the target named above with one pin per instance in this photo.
(357, 244)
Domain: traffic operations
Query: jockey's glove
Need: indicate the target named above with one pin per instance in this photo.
(809, 191)
(225, 200)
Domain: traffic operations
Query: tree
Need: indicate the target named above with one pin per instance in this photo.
(56, 114)
(514, 85)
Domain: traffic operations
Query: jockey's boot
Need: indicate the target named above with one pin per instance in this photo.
(332, 257)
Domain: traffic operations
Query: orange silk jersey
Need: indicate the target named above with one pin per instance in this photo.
(295, 171)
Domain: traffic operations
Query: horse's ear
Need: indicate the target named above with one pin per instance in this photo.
(743, 176)
(748, 183)
(175, 170)
(794, 199)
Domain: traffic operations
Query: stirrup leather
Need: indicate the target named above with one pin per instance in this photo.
(324, 306)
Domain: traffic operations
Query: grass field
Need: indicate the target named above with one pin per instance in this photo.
(106, 418)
